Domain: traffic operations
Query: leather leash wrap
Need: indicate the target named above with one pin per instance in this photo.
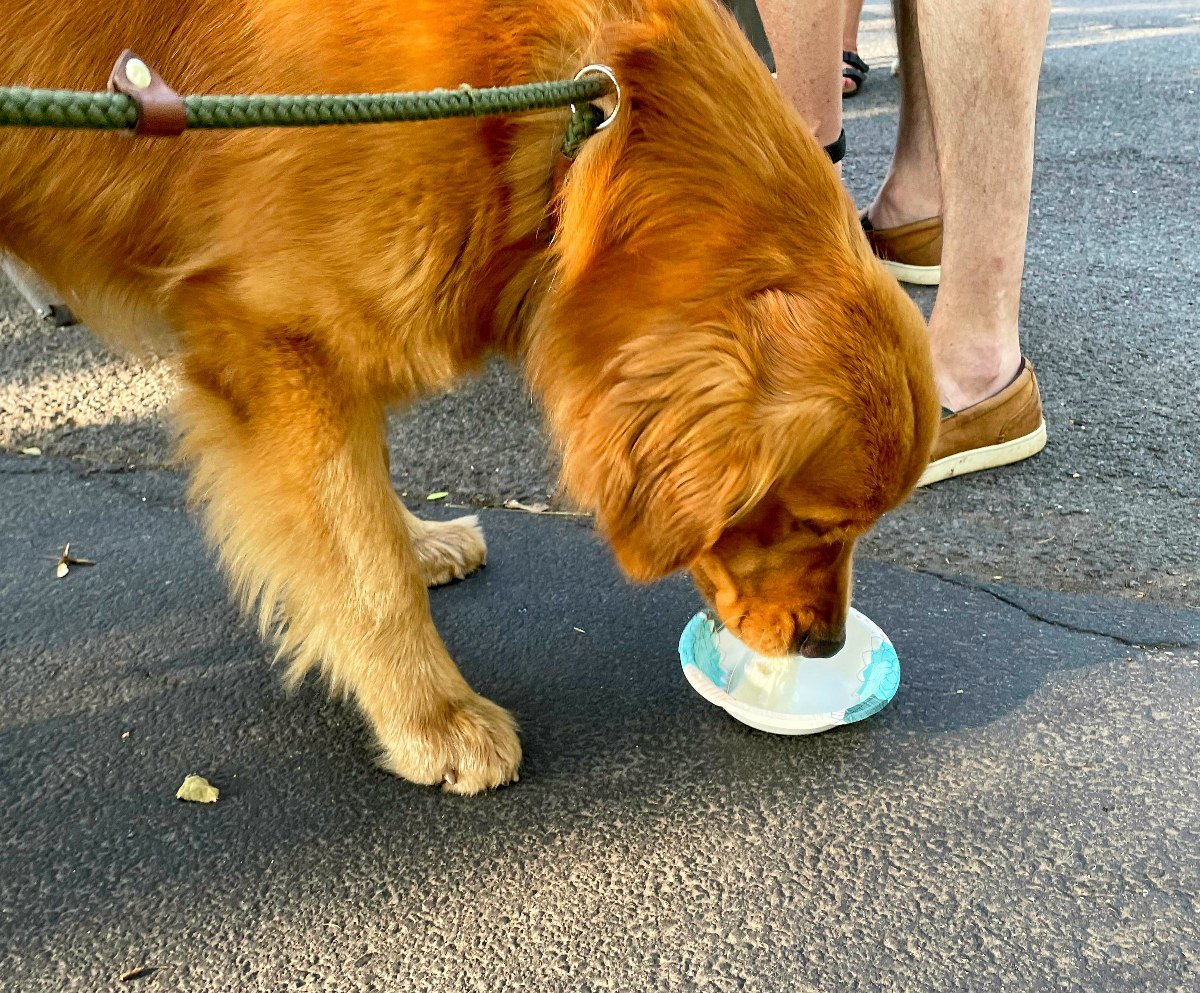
(160, 109)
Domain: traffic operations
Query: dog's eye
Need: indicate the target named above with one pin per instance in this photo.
(802, 525)
(828, 530)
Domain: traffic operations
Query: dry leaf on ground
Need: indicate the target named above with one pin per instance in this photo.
(66, 560)
(32, 451)
(529, 508)
(197, 789)
(135, 972)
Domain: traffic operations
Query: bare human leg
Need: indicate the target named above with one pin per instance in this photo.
(805, 38)
(850, 40)
(981, 114)
(912, 190)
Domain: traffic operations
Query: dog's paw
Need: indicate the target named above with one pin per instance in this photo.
(471, 746)
(449, 550)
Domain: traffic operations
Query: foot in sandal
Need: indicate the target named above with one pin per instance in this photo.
(854, 74)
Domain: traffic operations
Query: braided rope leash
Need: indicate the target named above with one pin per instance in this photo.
(140, 102)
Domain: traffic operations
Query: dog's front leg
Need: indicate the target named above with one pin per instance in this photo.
(445, 550)
(288, 464)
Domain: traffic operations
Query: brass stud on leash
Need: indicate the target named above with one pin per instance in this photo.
(160, 109)
(138, 73)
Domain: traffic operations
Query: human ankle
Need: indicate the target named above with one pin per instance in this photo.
(967, 377)
(897, 204)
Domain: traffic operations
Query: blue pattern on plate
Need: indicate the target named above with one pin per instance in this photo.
(881, 679)
(698, 647)
(878, 680)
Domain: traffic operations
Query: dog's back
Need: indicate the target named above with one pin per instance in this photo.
(118, 223)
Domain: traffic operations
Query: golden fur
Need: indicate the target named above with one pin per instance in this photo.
(737, 387)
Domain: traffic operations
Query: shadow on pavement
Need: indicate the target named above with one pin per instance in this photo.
(627, 771)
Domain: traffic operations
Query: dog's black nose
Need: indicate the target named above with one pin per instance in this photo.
(813, 647)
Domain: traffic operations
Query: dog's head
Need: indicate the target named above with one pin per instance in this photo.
(738, 386)
(831, 439)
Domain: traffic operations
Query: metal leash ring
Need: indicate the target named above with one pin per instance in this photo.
(599, 70)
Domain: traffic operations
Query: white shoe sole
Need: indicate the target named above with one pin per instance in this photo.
(989, 457)
(921, 275)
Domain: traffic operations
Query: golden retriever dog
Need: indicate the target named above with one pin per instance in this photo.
(736, 386)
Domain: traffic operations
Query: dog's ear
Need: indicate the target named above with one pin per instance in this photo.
(674, 446)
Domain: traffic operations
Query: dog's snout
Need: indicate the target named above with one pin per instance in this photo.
(814, 646)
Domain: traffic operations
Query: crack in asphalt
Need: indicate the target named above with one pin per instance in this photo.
(982, 587)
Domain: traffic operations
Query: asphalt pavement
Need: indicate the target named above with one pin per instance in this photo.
(1022, 816)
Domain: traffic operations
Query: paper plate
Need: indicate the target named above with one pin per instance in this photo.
(794, 694)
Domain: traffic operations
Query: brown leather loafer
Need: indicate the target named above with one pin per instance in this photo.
(912, 252)
(1002, 429)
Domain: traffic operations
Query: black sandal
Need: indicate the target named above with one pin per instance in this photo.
(855, 70)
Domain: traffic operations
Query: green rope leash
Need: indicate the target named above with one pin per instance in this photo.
(24, 107)
(584, 123)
